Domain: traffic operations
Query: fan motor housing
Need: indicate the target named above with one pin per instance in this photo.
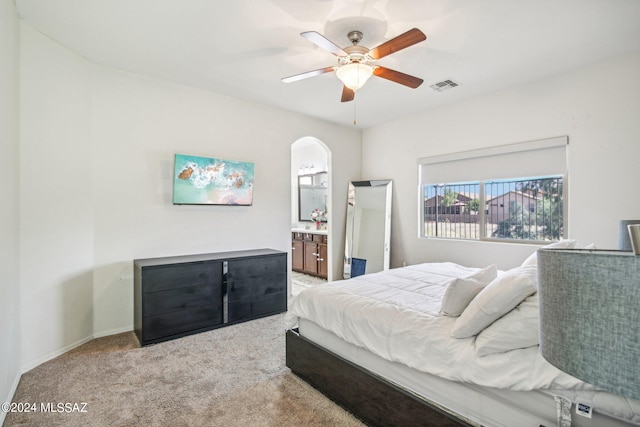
(355, 36)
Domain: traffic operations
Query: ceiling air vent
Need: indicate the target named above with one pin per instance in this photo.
(444, 85)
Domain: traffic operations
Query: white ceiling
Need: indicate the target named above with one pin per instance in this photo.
(242, 48)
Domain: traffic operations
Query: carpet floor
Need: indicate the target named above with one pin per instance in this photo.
(232, 376)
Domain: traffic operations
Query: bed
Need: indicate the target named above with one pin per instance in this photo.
(440, 344)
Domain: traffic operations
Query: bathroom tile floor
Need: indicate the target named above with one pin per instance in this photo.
(300, 281)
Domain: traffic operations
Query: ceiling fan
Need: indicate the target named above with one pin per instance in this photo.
(357, 63)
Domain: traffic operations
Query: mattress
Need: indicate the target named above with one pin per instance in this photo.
(394, 317)
(477, 405)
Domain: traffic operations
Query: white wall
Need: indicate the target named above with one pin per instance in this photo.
(98, 147)
(9, 212)
(56, 228)
(596, 106)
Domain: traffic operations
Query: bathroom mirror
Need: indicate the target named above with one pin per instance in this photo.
(312, 194)
(368, 228)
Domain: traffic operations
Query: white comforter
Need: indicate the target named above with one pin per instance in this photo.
(395, 315)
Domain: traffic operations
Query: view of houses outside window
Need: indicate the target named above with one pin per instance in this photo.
(518, 209)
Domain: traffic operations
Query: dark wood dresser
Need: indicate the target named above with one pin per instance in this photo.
(183, 295)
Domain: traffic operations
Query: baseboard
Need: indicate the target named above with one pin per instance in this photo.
(113, 332)
(29, 366)
(9, 398)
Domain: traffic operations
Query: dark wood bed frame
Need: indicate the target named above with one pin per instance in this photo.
(369, 397)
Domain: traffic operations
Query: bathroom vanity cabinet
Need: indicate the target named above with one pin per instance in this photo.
(309, 253)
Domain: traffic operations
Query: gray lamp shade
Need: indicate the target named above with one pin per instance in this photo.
(590, 316)
(624, 241)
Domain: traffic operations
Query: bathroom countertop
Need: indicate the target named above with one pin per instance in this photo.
(310, 231)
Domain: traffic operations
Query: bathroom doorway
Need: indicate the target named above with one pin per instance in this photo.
(311, 212)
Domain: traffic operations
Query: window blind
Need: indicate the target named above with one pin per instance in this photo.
(543, 157)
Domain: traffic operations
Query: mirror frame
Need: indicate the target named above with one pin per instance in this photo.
(351, 226)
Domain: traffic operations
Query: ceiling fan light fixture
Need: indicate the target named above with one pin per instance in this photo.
(354, 75)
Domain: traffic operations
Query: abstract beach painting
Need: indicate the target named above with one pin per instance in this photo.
(211, 181)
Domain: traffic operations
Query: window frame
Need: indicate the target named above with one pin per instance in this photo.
(488, 154)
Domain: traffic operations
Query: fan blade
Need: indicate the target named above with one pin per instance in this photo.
(347, 94)
(397, 77)
(400, 42)
(308, 74)
(323, 42)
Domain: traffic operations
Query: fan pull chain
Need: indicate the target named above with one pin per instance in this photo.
(354, 112)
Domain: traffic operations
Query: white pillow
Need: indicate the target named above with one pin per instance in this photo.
(562, 244)
(462, 290)
(516, 329)
(496, 299)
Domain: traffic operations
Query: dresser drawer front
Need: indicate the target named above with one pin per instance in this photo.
(272, 303)
(266, 268)
(254, 288)
(254, 278)
(178, 322)
(182, 299)
(165, 277)
(256, 307)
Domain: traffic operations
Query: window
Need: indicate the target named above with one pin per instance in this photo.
(496, 204)
(451, 210)
(535, 211)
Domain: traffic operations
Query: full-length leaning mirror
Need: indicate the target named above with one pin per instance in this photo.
(368, 231)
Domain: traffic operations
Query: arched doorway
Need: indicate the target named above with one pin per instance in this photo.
(310, 191)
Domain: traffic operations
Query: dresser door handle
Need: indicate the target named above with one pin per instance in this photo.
(225, 291)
